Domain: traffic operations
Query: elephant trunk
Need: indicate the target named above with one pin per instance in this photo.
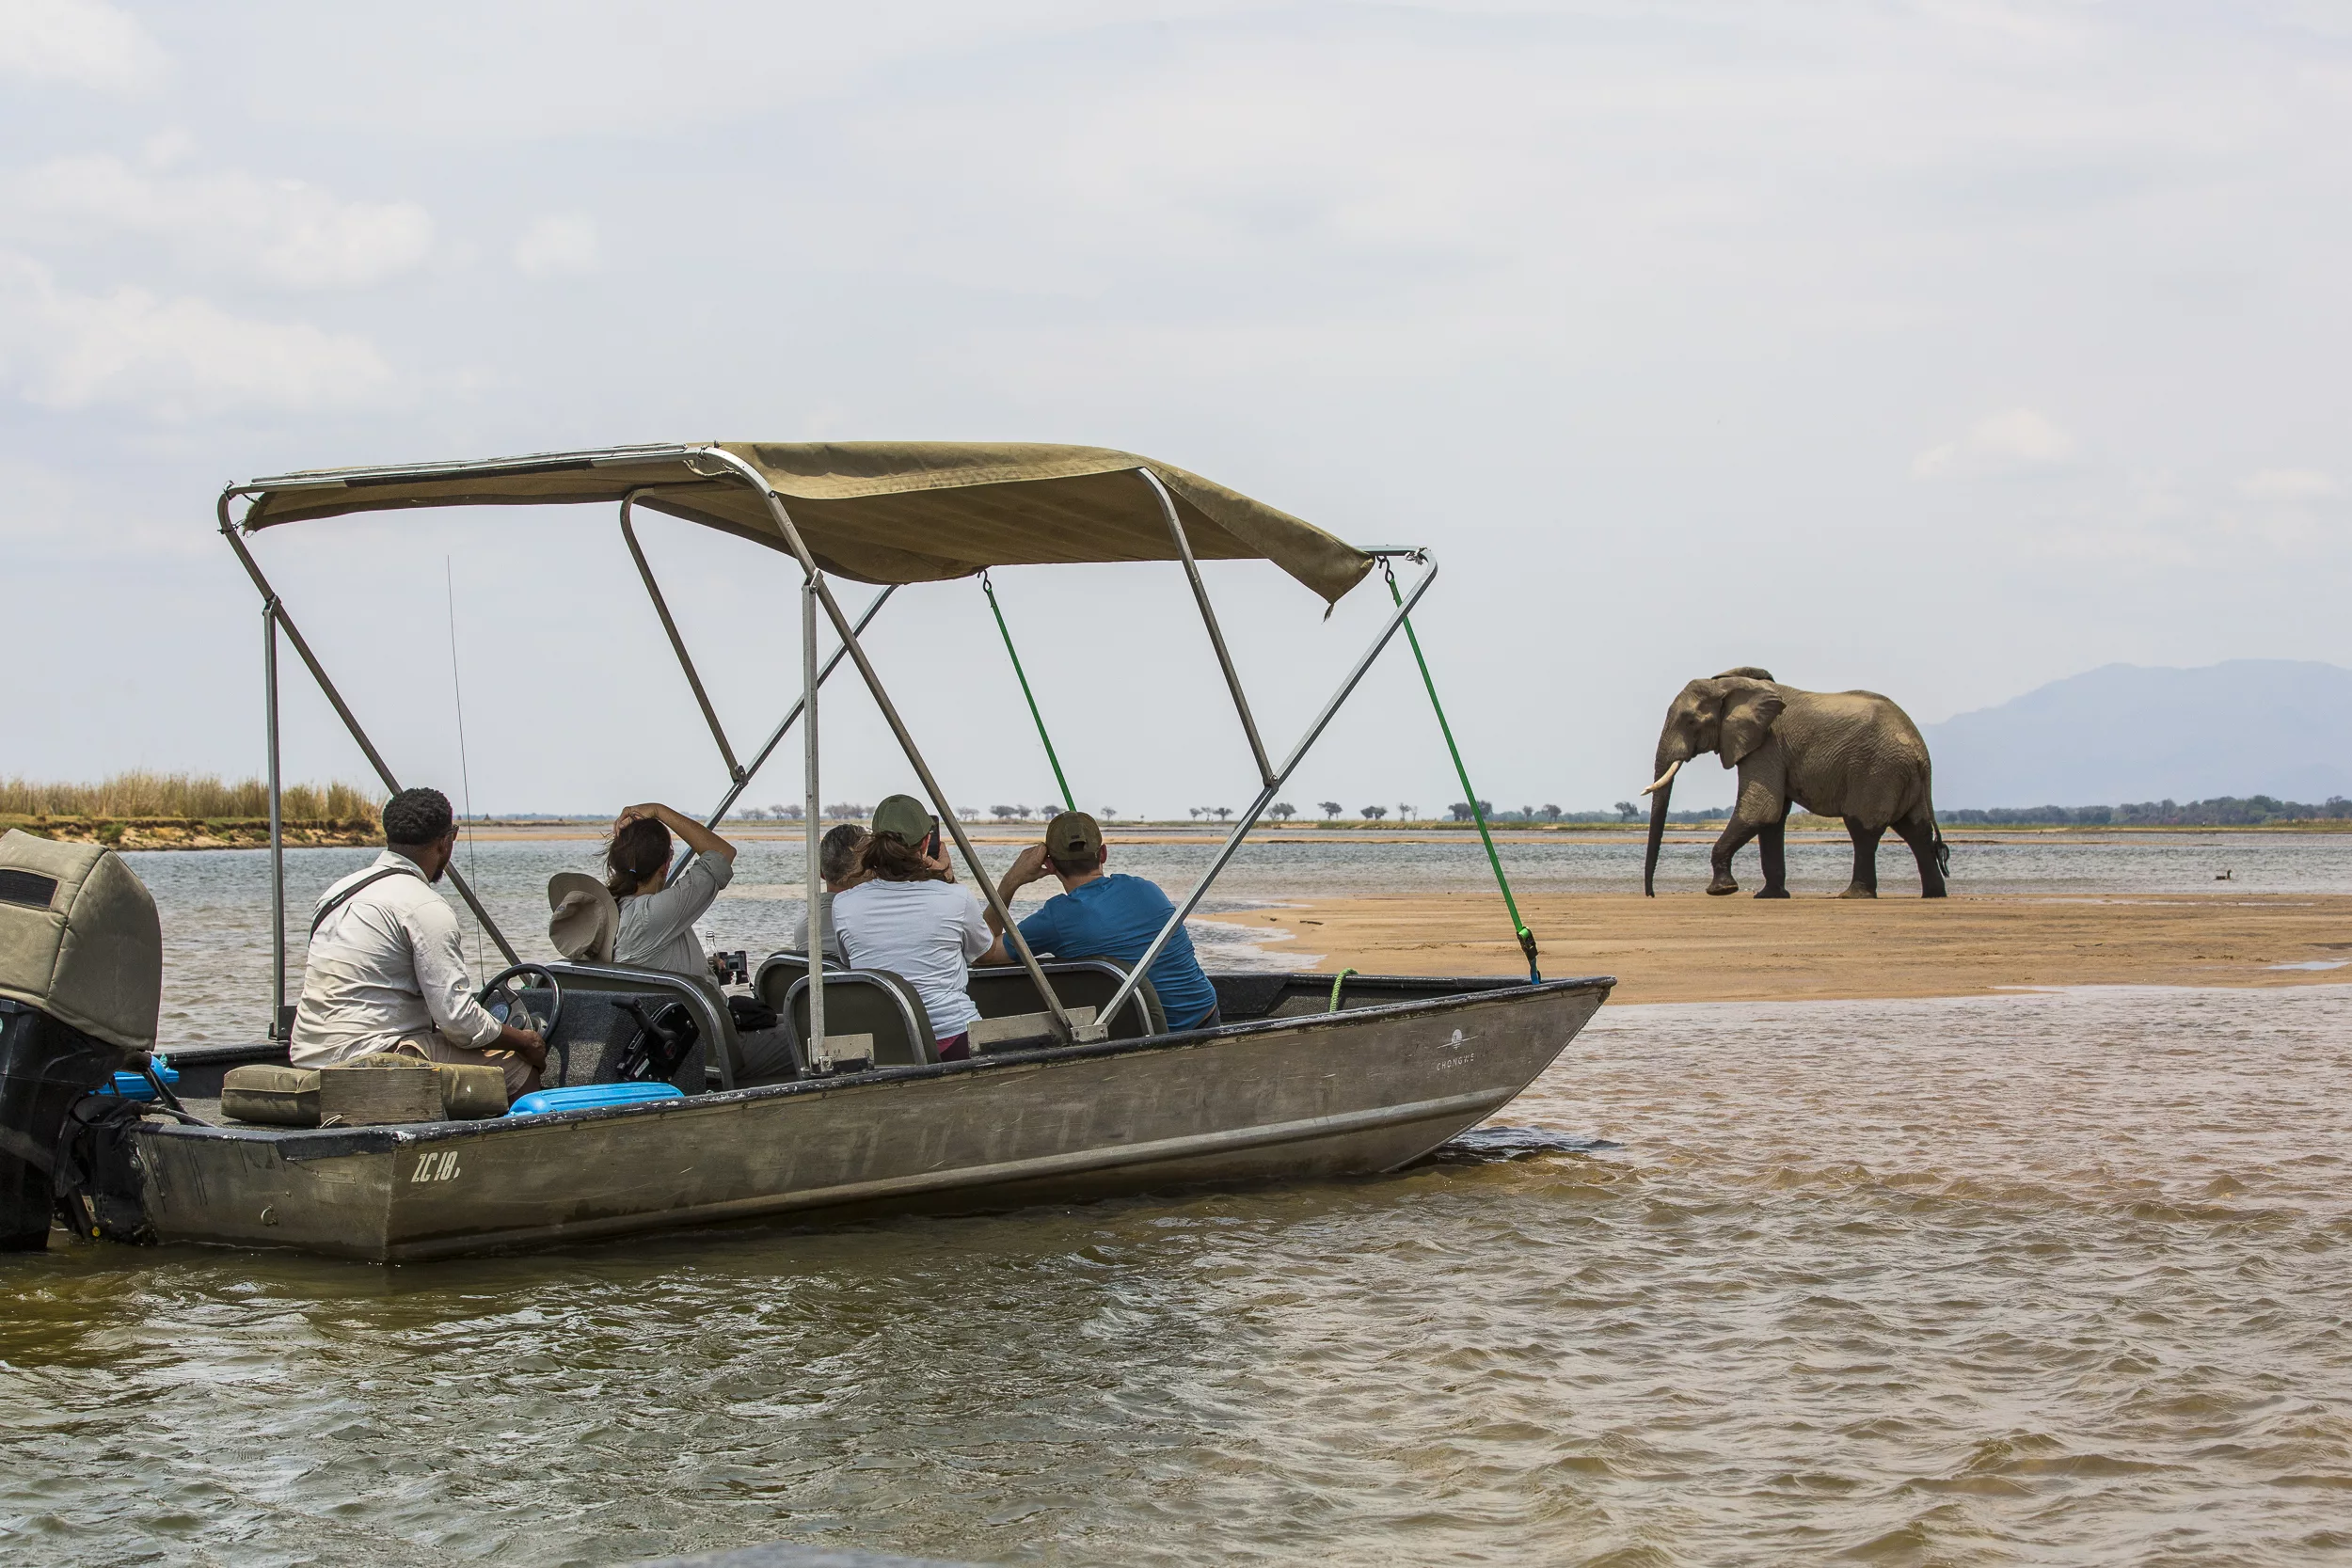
(1660, 794)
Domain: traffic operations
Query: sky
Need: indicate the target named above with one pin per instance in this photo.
(1942, 349)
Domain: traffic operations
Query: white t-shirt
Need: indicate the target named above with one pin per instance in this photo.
(925, 932)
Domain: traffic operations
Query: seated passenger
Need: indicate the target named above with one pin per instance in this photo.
(911, 919)
(658, 914)
(384, 970)
(1100, 916)
(838, 862)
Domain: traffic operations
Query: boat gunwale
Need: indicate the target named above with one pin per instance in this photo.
(304, 1144)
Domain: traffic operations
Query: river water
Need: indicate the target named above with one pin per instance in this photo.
(2048, 1277)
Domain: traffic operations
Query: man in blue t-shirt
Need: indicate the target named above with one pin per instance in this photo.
(1097, 915)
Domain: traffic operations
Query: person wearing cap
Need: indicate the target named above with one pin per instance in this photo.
(658, 912)
(1104, 915)
(385, 971)
(911, 918)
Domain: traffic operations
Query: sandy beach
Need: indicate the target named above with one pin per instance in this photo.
(1689, 947)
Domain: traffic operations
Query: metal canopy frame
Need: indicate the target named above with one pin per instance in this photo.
(816, 598)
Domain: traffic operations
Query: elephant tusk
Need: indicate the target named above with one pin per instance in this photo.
(1666, 778)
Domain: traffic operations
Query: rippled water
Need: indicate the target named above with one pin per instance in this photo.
(2033, 1278)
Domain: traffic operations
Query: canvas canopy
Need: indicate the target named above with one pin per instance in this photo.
(879, 512)
(79, 939)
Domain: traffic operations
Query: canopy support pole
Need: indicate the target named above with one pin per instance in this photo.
(775, 737)
(677, 644)
(1265, 797)
(1062, 1027)
(335, 698)
(819, 1054)
(1208, 618)
(279, 1024)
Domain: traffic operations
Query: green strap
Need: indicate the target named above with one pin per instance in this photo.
(1527, 938)
(1068, 800)
(1337, 981)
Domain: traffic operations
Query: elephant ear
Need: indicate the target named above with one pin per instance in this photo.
(1749, 709)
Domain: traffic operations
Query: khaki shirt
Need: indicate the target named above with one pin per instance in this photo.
(383, 967)
(658, 928)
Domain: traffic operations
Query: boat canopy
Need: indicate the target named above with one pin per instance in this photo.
(880, 511)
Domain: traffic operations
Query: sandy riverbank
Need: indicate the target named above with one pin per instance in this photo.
(1691, 948)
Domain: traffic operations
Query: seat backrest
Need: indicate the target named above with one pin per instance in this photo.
(595, 1032)
(871, 1002)
(1002, 993)
(772, 981)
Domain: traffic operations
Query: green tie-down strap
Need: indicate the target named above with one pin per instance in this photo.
(1070, 802)
(1527, 938)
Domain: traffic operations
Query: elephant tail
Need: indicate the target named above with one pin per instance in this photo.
(1943, 850)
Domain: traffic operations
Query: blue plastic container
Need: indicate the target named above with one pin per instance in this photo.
(134, 1085)
(589, 1097)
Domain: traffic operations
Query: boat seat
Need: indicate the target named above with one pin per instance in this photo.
(775, 1055)
(869, 1002)
(595, 1032)
(772, 981)
(1007, 991)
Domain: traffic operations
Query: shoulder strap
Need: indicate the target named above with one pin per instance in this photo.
(345, 896)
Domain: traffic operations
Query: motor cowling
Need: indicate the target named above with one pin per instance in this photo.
(81, 984)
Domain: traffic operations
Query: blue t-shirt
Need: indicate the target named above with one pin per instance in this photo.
(1117, 916)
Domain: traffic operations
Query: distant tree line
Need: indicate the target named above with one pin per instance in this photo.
(2225, 811)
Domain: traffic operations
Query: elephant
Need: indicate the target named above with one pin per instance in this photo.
(1837, 753)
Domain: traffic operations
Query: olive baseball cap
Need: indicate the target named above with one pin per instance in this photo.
(905, 819)
(1072, 836)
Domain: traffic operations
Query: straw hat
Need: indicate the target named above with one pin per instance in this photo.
(585, 920)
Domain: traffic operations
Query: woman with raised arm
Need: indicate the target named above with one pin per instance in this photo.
(659, 912)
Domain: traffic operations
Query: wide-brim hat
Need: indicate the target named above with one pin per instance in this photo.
(586, 919)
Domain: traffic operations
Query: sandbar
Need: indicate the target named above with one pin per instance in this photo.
(1688, 947)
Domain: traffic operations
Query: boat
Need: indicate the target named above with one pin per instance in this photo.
(1078, 1087)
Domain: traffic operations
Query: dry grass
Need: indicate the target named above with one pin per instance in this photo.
(186, 796)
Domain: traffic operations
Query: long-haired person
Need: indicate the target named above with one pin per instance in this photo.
(911, 918)
(659, 912)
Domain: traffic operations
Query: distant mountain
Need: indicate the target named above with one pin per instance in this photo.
(2125, 732)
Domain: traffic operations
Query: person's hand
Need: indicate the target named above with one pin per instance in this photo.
(650, 811)
(527, 1044)
(1028, 867)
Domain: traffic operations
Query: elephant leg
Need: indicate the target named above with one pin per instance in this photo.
(1919, 833)
(1866, 860)
(1735, 837)
(1771, 847)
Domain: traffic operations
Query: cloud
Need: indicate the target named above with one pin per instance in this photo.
(85, 42)
(558, 244)
(176, 358)
(2290, 484)
(281, 231)
(2017, 440)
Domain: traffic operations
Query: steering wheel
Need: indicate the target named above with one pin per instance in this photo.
(503, 996)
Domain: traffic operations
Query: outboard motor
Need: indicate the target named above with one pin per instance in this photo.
(81, 983)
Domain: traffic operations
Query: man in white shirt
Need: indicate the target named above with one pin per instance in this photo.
(386, 972)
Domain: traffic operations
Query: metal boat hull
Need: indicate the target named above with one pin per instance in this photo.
(1349, 1093)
